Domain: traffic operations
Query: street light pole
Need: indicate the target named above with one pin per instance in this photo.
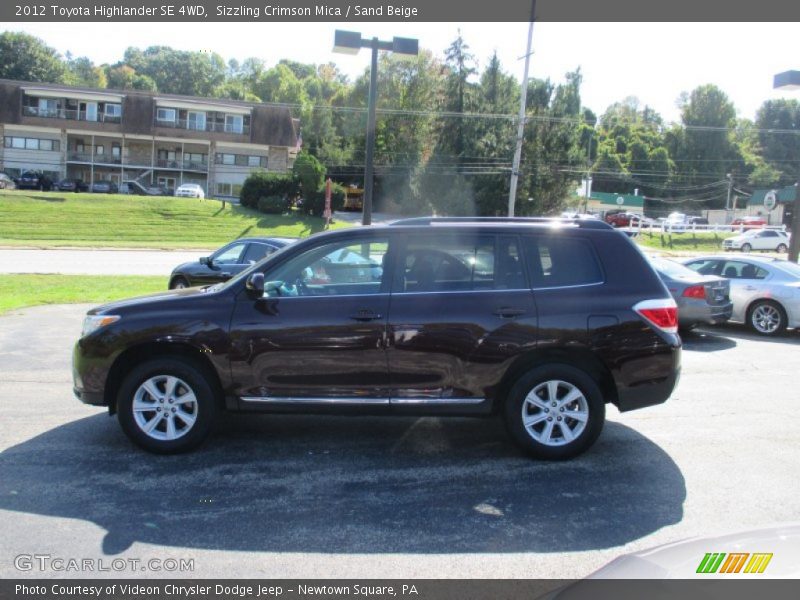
(366, 217)
(349, 42)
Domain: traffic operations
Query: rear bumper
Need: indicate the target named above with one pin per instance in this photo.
(654, 382)
(693, 313)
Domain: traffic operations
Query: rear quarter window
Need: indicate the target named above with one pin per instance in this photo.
(560, 261)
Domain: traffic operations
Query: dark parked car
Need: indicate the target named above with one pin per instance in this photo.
(72, 185)
(700, 298)
(692, 220)
(553, 321)
(104, 187)
(7, 182)
(226, 262)
(34, 180)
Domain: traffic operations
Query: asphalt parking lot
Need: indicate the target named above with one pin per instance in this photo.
(291, 496)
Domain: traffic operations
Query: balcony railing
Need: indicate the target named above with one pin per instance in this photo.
(207, 126)
(88, 157)
(186, 165)
(72, 115)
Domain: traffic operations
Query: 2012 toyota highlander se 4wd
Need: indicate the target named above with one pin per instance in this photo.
(540, 321)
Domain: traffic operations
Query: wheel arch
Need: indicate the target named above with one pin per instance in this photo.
(140, 353)
(579, 358)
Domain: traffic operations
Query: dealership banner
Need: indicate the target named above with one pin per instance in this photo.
(390, 589)
(356, 11)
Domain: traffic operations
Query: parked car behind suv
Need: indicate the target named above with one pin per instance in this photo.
(758, 239)
(540, 321)
(230, 260)
(72, 185)
(190, 190)
(34, 180)
(700, 298)
(750, 222)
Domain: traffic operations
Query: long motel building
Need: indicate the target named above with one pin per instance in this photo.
(151, 138)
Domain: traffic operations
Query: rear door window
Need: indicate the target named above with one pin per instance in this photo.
(561, 261)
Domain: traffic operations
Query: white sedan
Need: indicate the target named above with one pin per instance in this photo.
(758, 239)
(190, 190)
(765, 291)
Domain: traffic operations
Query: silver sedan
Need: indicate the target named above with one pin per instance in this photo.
(765, 291)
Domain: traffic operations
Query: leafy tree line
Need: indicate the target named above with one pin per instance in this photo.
(446, 128)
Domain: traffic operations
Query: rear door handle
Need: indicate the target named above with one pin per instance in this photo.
(365, 315)
(508, 312)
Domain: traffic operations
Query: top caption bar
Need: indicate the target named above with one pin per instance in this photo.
(340, 11)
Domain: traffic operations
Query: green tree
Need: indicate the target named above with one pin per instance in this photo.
(778, 124)
(28, 58)
(82, 72)
(707, 150)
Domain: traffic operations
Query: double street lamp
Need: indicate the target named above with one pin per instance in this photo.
(790, 80)
(350, 42)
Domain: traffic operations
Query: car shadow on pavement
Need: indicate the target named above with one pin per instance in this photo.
(703, 340)
(346, 485)
(738, 331)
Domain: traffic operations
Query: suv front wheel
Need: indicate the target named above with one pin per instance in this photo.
(166, 405)
(555, 412)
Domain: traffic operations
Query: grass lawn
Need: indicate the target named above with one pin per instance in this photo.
(700, 242)
(52, 219)
(17, 291)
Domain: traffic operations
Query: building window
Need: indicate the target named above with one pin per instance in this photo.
(166, 114)
(21, 143)
(99, 149)
(226, 159)
(116, 150)
(254, 161)
(166, 155)
(234, 123)
(79, 147)
(113, 110)
(228, 189)
(196, 120)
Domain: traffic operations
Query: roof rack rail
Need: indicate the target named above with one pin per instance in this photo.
(583, 223)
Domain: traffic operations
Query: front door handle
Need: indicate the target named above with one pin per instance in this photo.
(365, 314)
(508, 312)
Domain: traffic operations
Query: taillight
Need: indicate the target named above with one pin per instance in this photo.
(661, 313)
(695, 291)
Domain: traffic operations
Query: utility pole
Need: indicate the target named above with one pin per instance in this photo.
(512, 192)
(730, 187)
(794, 239)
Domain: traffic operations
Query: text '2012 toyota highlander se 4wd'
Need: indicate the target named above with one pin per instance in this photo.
(540, 321)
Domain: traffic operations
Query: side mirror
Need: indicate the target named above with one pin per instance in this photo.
(255, 284)
(206, 260)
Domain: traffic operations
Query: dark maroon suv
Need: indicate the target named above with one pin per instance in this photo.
(541, 322)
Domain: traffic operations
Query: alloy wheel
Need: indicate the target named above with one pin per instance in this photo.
(555, 413)
(164, 407)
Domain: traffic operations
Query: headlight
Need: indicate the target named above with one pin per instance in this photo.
(94, 322)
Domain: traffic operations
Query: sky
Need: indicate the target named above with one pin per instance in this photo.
(653, 61)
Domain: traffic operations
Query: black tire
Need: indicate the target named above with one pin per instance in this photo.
(757, 318)
(782, 248)
(746, 247)
(204, 410)
(556, 450)
(178, 282)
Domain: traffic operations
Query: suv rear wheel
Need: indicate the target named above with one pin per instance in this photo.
(166, 405)
(555, 412)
